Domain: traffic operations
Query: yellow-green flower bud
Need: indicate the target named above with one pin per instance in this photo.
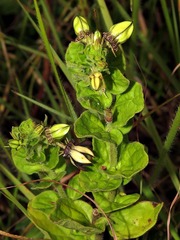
(56, 132)
(122, 31)
(80, 25)
(39, 129)
(96, 80)
(97, 37)
(13, 143)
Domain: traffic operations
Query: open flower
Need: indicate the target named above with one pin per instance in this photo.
(77, 154)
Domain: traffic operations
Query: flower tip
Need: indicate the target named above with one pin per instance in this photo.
(14, 143)
(80, 25)
(57, 131)
(122, 31)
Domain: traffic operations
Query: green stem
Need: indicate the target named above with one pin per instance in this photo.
(51, 23)
(105, 14)
(51, 59)
(24, 104)
(151, 129)
(61, 191)
(28, 194)
(164, 160)
(11, 197)
(173, 131)
(167, 146)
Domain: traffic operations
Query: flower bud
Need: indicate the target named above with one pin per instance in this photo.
(80, 25)
(56, 132)
(39, 129)
(96, 80)
(15, 132)
(14, 143)
(97, 37)
(122, 31)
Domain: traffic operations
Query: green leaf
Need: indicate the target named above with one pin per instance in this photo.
(98, 181)
(120, 201)
(45, 201)
(76, 215)
(117, 61)
(55, 231)
(75, 61)
(126, 128)
(116, 82)
(58, 216)
(100, 222)
(133, 159)
(35, 154)
(116, 135)
(89, 125)
(106, 153)
(75, 210)
(135, 220)
(26, 127)
(19, 158)
(52, 156)
(128, 104)
(91, 99)
(87, 230)
(74, 190)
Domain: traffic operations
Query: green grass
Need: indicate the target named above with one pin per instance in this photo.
(35, 82)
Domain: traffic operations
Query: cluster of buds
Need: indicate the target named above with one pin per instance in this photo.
(78, 155)
(20, 139)
(31, 136)
(117, 34)
(83, 33)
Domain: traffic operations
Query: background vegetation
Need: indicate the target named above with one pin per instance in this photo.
(153, 59)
